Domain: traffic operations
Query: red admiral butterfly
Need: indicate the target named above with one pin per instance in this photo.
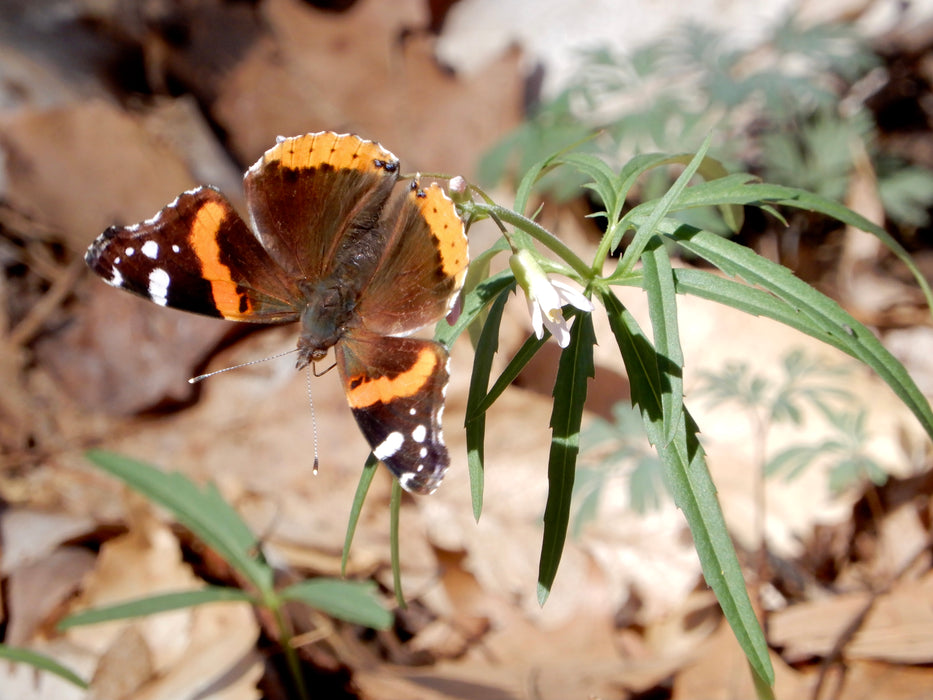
(335, 245)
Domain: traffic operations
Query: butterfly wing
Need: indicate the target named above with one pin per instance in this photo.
(395, 387)
(313, 197)
(421, 266)
(198, 255)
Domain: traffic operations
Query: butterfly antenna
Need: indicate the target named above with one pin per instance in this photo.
(314, 468)
(202, 377)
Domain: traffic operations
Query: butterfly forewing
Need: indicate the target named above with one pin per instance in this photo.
(198, 255)
(312, 194)
(422, 265)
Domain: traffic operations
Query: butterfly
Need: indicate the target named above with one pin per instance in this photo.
(339, 242)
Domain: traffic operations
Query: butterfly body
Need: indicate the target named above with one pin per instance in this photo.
(338, 244)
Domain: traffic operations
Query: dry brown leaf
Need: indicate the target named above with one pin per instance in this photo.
(301, 78)
(898, 628)
(221, 661)
(35, 591)
(813, 628)
(147, 560)
(81, 168)
(872, 680)
(123, 668)
(31, 535)
(720, 671)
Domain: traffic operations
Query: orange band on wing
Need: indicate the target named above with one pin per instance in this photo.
(203, 237)
(342, 151)
(447, 228)
(385, 389)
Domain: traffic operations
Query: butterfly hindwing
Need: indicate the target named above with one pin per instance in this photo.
(395, 387)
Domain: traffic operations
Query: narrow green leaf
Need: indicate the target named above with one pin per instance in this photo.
(538, 170)
(639, 358)
(521, 358)
(637, 166)
(602, 175)
(473, 305)
(154, 604)
(656, 211)
(753, 301)
(767, 196)
(477, 272)
(362, 488)
(486, 348)
(573, 371)
(395, 507)
(662, 309)
(353, 601)
(839, 328)
(202, 511)
(692, 488)
(41, 662)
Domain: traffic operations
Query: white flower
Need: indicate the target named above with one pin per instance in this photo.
(546, 297)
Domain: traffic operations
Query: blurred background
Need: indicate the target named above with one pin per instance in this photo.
(110, 108)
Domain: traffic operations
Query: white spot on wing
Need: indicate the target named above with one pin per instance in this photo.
(419, 433)
(175, 248)
(158, 286)
(388, 447)
(406, 481)
(150, 249)
(116, 279)
(130, 251)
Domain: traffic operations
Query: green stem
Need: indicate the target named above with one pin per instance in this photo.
(291, 654)
(602, 251)
(539, 233)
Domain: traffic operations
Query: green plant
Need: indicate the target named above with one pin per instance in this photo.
(850, 461)
(41, 662)
(779, 103)
(214, 522)
(653, 363)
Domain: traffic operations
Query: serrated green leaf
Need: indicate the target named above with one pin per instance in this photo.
(602, 176)
(836, 326)
(155, 604)
(521, 358)
(650, 214)
(662, 309)
(767, 196)
(639, 358)
(42, 663)
(692, 488)
(574, 370)
(202, 511)
(353, 601)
